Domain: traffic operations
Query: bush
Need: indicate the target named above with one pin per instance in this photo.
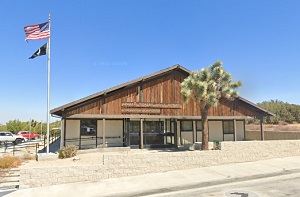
(9, 162)
(27, 157)
(67, 152)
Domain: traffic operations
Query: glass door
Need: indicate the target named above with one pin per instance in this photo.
(153, 133)
(156, 133)
(134, 132)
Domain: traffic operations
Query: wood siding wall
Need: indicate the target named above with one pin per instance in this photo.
(163, 89)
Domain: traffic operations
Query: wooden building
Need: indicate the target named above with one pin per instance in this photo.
(149, 112)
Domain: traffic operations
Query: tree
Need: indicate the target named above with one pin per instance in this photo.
(14, 125)
(33, 123)
(2, 127)
(206, 87)
(284, 112)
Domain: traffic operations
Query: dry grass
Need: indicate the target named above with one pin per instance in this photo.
(27, 157)
(279, 127)
(10, 162)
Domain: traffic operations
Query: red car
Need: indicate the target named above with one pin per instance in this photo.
(28, 135)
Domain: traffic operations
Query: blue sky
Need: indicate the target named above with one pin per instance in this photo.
(98, 44)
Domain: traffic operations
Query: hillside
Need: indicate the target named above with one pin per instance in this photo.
(284, 112)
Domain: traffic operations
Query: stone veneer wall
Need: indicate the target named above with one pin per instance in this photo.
(120, 165)
(273, 135)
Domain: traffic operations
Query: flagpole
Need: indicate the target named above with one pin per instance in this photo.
(48, 87)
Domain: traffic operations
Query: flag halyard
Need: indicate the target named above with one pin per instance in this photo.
(37, 31)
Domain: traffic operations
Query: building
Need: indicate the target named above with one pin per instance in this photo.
(148, 112)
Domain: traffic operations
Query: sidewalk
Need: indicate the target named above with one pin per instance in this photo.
(168, 181)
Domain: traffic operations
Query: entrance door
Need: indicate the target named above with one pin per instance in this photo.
(153, 133)
(156, 133)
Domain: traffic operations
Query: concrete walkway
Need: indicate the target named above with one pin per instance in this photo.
(53, 148)
(168, 181)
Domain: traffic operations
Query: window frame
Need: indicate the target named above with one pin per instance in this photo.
(190, 129)
(92, 126)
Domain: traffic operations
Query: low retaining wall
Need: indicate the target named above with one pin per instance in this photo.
(120, 165)
(273, 135)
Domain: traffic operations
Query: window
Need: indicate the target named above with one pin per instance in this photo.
(88, 127)
(186, 125)
(199, 125)
(228, 127)
(135, 126)
(134, 132)
(153, 127)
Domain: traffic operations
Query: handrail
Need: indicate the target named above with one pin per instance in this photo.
(86, 139)
(13, 183)
(19, 146)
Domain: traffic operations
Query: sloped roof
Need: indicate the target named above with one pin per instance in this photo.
(255, 107)
(176, 67)
(121, 86)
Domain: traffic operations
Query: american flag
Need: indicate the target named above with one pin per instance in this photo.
(37, 32)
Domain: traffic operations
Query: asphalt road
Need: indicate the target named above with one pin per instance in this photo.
(278, 186)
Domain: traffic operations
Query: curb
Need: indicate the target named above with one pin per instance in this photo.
(166, 190)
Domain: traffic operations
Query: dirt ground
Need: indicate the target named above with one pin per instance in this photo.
(268, 127)
(82, 158)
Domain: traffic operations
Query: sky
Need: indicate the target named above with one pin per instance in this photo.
(98, 44)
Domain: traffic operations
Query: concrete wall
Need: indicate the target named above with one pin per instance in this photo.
(121, 165)
(273, 135)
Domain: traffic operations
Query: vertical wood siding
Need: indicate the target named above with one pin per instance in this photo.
(114, 101)
(163, 89)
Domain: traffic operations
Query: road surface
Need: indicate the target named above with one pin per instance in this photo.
(284, 185)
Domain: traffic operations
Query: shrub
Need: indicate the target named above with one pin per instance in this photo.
(28, 156)
(9, 162)
(67, 152)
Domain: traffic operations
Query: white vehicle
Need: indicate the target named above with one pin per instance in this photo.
(9, 137)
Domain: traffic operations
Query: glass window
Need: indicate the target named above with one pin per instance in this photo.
(135, 126)
(228, 127)
(199, 125)
(153, 127)
(88, 127)
(134, 132)
(186, 125)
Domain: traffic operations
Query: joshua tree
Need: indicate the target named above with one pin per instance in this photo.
(206, 87)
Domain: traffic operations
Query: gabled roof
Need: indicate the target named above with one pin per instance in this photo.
(127, 84)
(255, 107)
(177, 67)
